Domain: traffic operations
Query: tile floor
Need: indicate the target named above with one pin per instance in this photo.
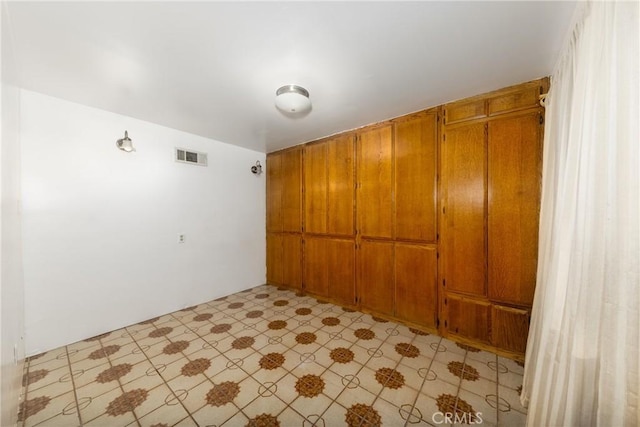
(269, 357)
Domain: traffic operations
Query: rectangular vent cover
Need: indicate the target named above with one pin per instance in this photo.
(190, 156)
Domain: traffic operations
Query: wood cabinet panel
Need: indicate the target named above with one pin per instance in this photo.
(465, 110)
(341, 267)
(274, 192)
(275, 262)
(292, 260)
(468, 318)
(514, 180)
(316, 266)
(340, 194)
(375, 186)
(330, 268)
(291, 190)
(315, 186)
(463, 173)
(510, 328)
(376, 276)
(525, 97)
(416, 293)
(416, 161)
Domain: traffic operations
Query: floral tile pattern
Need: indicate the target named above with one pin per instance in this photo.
(269, 356)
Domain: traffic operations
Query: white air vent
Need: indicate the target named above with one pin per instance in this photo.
(189, 156)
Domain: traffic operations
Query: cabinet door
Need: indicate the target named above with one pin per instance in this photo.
(292, 260)
(316, 266)
(329, 268)
(315, 186)
(514, 200)
(375, 173)
(291, 200)
(376, 287)
(463, 181)
(416, 294)
(274, 259)
(415, 183)
(468, 318)
(274, 192)
(341, 276)
(510, 328)
(340, 195)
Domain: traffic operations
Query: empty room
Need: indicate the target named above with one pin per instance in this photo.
(320, 213)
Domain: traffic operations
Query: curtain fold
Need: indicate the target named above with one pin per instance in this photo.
(582, 364)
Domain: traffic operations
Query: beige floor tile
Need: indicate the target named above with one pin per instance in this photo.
(218, 415)
(388, 412)
(96, 406)
(268, 404)
(165, 414)
(512, 419)
(95, 389)
(512, 397)
(307, 406)
(262, 391)
(334, 415)
(155, 398)
(436, 387)
(443, 374)
(428, 408)
(480, 406)
(54, 389)
(43, 407)
(110, 421)
(351, 396)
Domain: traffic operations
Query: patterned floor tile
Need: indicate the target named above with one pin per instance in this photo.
(268, 355)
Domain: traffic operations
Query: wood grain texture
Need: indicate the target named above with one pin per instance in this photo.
(375, 186)
(341, 266)
(291, 202)
(341, 185)
(514, 181)
(463, 176)
(416, 292)
(292, 260)
(316, 266)
(526, 97)
(275, 263)
(376, 276)
(510, 328)
(468, 318)
(274, 192)
(315, 188)
(465, 110)
(416, 162)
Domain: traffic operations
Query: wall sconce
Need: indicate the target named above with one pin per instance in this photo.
(125, 144)
(257, 168)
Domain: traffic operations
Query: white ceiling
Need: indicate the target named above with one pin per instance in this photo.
(212, 69)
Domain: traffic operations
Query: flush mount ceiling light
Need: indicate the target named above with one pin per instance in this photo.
(293, 99)
(125, 144)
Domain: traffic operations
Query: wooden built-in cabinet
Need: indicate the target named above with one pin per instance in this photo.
(430, 219)
(491, 167)
(375, 182)
(284, 218)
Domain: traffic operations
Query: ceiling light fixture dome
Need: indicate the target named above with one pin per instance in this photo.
(293, 99)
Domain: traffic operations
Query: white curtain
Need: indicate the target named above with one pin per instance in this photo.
(582, 366)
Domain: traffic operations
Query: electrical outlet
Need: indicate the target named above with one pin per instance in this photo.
(180, 238)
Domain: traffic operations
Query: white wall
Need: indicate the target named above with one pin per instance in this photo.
(11, 279)
(101, 225)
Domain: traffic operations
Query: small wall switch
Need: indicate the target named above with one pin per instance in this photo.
(180, 238)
